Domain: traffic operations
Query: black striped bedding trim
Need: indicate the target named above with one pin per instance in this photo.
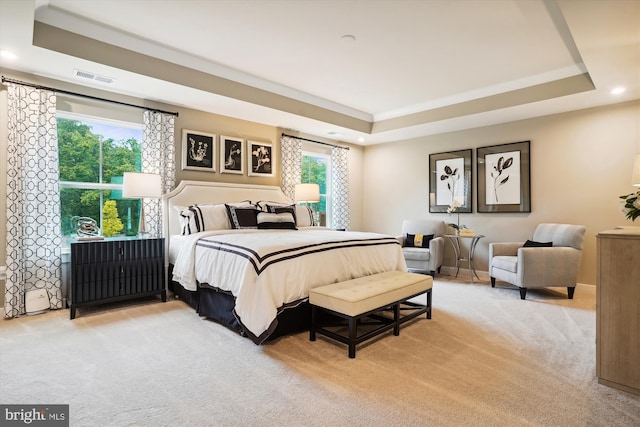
(197, 218)
(260, 263)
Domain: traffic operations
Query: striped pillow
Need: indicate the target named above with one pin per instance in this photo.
(282, 220)
(205, 217)
(304, 216)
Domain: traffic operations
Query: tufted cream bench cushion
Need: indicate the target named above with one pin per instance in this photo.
(366, 293)
(357, 298)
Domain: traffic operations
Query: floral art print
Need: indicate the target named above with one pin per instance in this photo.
(450, 181)
(261, 160)
(503, 178)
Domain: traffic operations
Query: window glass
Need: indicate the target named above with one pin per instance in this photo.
(316, 169)
(93, 155)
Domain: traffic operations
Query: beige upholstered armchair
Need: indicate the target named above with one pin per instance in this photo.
(423, 245)
(551, 259)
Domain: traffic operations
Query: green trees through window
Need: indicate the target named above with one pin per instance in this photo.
(93, 155)
(315, 169)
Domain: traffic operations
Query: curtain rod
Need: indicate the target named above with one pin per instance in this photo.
(66, 92)
(317, 142)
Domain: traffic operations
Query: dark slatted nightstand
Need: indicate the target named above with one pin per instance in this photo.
(114, 270)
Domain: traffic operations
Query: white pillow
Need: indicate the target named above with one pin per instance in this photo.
(304, 216)
(205, 217)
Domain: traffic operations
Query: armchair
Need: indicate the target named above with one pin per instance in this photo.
(532, 266)
(427, 253)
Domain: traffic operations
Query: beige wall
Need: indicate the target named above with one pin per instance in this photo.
(580, 163)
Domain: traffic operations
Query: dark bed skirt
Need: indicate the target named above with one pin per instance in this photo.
(218, 306)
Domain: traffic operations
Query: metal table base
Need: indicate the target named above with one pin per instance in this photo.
(457, 247)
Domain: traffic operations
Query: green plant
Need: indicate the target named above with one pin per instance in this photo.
(111, 224)
(631, 205)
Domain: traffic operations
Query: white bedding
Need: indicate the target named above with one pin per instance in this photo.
(266, 269)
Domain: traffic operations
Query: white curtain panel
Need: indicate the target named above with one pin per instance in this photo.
(159, 157)
(340, 187)
(291, 149)
(33, 199)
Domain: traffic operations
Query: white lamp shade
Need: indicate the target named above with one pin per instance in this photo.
(141, 185)
(309, 193)
(635, 175)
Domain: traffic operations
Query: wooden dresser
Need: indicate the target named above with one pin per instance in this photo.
(618, 309)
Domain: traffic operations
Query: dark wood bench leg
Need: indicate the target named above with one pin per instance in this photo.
(352, 337)
(429, 304)
(396, 319)
(312, 330)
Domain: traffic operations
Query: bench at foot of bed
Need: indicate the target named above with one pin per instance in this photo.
(361, 303)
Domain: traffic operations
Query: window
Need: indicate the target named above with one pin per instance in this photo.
(316, 168)
(93, 154)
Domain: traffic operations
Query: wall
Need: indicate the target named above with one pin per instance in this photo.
(187, 119)
(580, 163)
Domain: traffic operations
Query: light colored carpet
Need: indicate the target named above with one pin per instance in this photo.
(485, 359)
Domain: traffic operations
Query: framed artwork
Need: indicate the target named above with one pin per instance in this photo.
(198, 151)
(504, 178)
(450, 179)
(231, 155)
(260, 158)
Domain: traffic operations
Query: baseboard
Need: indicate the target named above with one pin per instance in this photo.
(585, 284)
(465, 274)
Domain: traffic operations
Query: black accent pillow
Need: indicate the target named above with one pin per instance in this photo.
(280, 221)
(242, 217)
(533, 244)
(281, 209)
(418, 240)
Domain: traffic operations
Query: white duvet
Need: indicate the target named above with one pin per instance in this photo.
(266, 269)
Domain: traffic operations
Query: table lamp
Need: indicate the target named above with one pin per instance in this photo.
(308, 193)
(136, 185)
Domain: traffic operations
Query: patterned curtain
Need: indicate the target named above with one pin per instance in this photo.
(340, 187)
(291, 149)
(33, 199)
(159, 157)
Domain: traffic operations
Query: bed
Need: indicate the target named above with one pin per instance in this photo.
(255, 278)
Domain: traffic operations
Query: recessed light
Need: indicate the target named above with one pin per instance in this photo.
(7, 54)
(334, 133)
(617, 91)
(361, 139)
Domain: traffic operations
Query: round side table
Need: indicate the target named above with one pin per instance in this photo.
(457, 247)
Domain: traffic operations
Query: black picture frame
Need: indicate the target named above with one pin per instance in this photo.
(232, 157)
(198, 151)
(450, 176)
(504, 177)
(260, 158)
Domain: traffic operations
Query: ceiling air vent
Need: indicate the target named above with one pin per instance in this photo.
(93, 76)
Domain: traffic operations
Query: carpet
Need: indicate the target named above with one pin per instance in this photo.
(486, 358)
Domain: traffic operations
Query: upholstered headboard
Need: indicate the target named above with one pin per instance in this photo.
(193, 192)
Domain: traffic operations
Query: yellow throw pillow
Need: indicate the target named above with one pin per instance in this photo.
(418, 240)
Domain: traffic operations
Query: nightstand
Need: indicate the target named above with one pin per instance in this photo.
(115, 269)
